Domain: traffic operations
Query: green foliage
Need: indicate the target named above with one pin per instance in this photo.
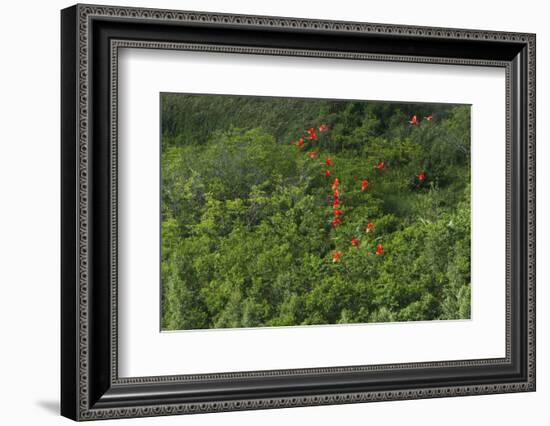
(246, 230)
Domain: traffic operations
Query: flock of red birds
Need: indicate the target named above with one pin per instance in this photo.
(337, 212)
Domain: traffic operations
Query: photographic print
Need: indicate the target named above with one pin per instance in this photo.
(267, 185)
(293, 212)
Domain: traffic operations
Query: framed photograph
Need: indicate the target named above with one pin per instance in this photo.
(263, 212)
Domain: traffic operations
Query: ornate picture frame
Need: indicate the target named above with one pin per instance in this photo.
(91, 37)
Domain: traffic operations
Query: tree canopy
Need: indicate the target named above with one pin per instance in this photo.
(284, 211)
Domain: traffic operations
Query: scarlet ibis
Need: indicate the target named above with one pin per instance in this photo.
(380, 166)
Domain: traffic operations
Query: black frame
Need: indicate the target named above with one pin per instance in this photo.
(91, 37)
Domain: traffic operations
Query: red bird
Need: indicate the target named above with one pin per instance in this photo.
(421, 176)
(300, 142)
(336, 256)
(369, 227)
(322, 127)
(380, 166)
(327, 172)
(413, 121)
(429, 117)
(337, 212)
(312, 154)
(312, 135)
(364, 184)
(354, 242)
(335, 222)
(328, 162)
(335, 184)
(378, 250)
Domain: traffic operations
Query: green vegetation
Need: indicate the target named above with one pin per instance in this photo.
(250, 232)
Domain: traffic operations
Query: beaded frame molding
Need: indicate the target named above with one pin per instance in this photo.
(91, 39)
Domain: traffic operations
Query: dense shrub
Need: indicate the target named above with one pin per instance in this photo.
(247, 238)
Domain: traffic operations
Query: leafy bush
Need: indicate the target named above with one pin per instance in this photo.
(248, 232)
